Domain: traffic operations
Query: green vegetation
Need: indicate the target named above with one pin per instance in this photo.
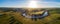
(53, 18)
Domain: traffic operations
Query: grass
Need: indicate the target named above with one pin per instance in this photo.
(53, 18)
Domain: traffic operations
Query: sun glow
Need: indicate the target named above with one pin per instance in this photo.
(33, 4)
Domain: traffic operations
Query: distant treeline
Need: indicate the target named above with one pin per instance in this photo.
(6, 9)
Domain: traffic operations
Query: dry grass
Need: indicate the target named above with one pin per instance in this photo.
(51, 19)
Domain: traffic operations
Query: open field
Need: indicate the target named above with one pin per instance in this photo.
(13, 16)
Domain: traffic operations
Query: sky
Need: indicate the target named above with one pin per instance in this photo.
(23, 3)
